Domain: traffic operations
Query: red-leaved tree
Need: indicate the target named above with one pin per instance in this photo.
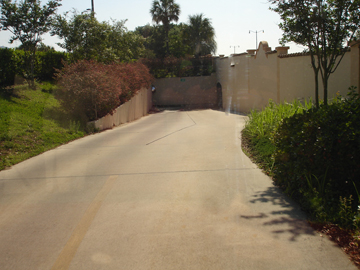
(95, 89)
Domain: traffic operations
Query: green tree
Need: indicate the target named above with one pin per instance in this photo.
(44, 48)
(178, 44)
(165, 11)
(125, 45)
(28, 21)
(324, 27)
(87, 38)
(201, 35)
(154, 40)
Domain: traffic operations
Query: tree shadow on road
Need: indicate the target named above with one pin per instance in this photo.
(286, 219)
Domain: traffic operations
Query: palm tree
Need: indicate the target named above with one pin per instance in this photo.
(201, 35)
(165, 11)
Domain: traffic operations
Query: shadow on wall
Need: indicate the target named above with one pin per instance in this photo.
(188, 93)
(219, 96)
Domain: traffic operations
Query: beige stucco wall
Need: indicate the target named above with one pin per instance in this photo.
(134, 109)
(249, 80)
(297, 79)
(190, 92)
(355, 64)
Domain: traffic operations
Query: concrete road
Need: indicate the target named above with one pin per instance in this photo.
(170, 191)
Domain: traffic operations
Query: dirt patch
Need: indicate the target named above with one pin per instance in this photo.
(344, 238)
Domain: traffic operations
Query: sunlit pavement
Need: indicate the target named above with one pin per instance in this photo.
(172, 190)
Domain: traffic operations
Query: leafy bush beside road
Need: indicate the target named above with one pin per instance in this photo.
(259, 129)
(317, 160)
(313, 155)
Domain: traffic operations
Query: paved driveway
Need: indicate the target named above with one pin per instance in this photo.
(170, 191)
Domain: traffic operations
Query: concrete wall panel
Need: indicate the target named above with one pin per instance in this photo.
(134, 109)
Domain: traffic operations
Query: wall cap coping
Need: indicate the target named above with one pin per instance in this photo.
(252, 51)
(271, 52)
(239, 54)
(281, 50)
(293, 55)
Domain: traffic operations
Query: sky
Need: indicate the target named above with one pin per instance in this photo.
(231, 19)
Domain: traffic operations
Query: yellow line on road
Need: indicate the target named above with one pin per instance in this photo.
(69, 250)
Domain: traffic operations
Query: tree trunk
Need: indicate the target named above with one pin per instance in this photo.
(29, 68)
(325, 83)
(316, 75)
(317, 88)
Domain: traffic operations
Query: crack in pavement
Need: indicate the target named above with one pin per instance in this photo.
(194, 124)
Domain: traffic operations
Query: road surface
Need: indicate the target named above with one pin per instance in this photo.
(169, 191)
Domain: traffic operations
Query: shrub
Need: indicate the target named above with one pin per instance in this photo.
(47, 62)
(318, 155)
(259, 129)
(95, 89)
(12, 63)
(7, 68)
(133, 77)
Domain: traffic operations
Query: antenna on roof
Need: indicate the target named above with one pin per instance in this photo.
(235, 47)
(256, 32)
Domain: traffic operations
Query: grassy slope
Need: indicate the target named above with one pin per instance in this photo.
(31, 122)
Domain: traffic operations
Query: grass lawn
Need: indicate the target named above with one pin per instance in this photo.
(32, 122)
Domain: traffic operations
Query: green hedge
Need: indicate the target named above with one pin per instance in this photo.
(317, 159)
(48, 62)
(7, 67)
(12, 63)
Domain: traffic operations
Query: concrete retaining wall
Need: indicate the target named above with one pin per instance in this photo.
(136, 108)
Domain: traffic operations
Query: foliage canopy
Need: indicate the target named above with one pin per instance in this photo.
(87, 38)
(201, 35)
(324, 27)
(165, 11)
(28, 21)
